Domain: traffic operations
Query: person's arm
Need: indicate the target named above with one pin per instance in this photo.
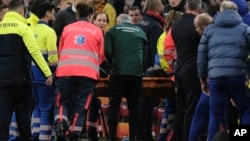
(61, 43)
(101, 49)
(247, 35)
(202, 63)
(108, 46)
(154, 34)
(145, 53)
(33, 49)
(52, 50)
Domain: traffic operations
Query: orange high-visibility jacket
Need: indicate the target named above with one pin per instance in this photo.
(81, 50)
(169, 50)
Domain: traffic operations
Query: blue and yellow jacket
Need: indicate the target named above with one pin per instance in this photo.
(17, 45)
(46, 39)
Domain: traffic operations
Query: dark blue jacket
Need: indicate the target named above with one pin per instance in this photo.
(243, 10)
(153, 28)
(224, 47)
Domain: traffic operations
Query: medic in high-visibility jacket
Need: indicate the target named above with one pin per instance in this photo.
(81, 51)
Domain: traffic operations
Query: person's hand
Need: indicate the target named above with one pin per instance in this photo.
(204, 88)
(49, 81)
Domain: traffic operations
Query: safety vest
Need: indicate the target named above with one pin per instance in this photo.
(81, 50)
(17, 45)
(169, 50)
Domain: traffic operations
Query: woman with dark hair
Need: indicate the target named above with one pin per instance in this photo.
(101, 20)
(81, 51)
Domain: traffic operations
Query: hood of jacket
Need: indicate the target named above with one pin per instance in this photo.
(14, 16)
(242, 6)
(228, 18)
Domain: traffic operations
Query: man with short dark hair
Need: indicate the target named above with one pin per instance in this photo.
(42, 121)
(135, 13)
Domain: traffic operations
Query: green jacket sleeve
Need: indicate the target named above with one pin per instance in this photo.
(108, 46)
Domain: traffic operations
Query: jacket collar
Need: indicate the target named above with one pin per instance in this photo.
(16, 16)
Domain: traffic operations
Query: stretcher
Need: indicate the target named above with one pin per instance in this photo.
(160, 87)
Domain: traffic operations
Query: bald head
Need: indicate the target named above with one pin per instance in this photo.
(201, 21)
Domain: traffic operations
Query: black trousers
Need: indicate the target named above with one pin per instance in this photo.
(93, 113)
(144, 130)
(16, 98)
(131, 88)
(186, 101)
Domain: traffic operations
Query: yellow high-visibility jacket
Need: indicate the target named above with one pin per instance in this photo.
(17, 45)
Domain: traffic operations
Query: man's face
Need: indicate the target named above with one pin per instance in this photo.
(65, 3)
(174, 3)
(135, 16)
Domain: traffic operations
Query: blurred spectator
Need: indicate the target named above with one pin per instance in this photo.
(243, 10)
(135, 13)
(101, 20)
(6, 2)
(64, 4)
(213, 9)
(177, 5)
(204, 8)
(66, 16)
(120, 5)
(104, 6)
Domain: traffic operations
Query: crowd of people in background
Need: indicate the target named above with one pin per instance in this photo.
(53, 52)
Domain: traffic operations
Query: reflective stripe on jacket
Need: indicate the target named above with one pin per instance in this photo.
(160, 51)
(169, 50)
(81, 50)
(16, 34)
(46, 39)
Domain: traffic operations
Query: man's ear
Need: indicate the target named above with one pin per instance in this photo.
(203, 28)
